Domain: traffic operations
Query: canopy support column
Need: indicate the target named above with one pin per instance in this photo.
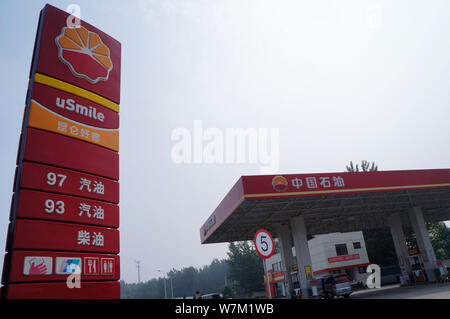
(423, 242)
(302, 252)
(283, 232)
(401, 249)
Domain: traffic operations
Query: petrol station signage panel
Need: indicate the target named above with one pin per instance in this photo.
(63, 181)
(277, 186)
(60, 290)
(41, 266)
(57, 207)
(64, 215)
(46, 235)
(55, 149)
(45, 119)
(75, 108)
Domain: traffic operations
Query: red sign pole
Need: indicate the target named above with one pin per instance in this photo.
(265, 248)
(65, 216)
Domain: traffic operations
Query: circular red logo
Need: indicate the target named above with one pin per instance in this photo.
(84, 53)
(279, 183)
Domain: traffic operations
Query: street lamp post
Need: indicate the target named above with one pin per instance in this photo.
(138, 262)
(171, 284)
(165, 290)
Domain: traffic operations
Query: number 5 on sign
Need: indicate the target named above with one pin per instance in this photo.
(264, 243)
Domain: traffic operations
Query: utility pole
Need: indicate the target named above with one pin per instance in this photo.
(138, 262)
(165, 289)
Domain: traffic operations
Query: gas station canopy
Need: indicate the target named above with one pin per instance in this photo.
(329, 202)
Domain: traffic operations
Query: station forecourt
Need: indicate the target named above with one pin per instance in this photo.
(298, 205)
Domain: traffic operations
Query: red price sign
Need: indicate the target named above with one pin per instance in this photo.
(43, 235)
(56, 207)
(63, 181)
(264, 243)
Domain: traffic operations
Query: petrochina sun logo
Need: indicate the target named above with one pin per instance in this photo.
(279, 183)
(84, 53)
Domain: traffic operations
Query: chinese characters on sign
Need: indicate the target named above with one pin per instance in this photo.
(74, 183)
(59, 207)
(343, 258)
(84, 238)
(76, 131)
(312, 182)
(42, 117)
(98, 187)
(97, 211)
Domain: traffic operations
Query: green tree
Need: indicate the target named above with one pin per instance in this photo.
(211, 278)
(185, 282)
(227, 291)
(439, 235)
(365, 167)
(245, 268)
(440, 239)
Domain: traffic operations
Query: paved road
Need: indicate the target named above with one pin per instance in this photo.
(429, 291)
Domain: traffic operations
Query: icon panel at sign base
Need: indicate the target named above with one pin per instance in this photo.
(43, 265)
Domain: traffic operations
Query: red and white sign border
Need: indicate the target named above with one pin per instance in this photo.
(256, 246)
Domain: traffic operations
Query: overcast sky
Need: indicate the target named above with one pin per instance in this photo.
(340, 80)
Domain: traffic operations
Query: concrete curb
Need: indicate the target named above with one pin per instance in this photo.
(441, 281)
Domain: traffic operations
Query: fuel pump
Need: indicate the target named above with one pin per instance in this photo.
(418, 269)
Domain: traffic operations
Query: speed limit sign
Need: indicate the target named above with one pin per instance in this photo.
(264, 243)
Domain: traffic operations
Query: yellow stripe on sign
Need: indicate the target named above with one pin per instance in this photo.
(45, 119)
(69, 88)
